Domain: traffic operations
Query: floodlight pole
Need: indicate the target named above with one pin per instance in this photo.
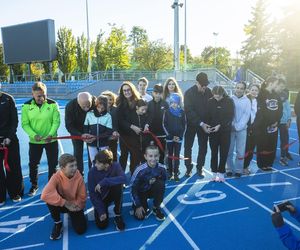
(88, 39)
(175, 6)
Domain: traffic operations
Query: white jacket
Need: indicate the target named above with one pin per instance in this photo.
(242, 110)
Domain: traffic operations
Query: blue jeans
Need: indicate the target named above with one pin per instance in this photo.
(237, 142)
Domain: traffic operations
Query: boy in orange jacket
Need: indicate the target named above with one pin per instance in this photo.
(66, 193)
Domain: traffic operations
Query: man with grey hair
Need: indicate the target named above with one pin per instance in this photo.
(75, 113)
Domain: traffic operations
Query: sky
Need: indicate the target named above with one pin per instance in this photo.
(204, 17)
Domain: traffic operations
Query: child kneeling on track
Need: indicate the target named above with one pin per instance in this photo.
(148, 181)
(105, 184)
(65, 193)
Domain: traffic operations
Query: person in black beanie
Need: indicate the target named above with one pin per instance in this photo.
(195, 106)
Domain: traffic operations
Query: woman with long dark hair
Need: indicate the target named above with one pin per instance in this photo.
(126, 103)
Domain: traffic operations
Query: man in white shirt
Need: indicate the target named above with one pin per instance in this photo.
(242, 111)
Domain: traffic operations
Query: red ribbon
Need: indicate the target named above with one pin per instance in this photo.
(5, 149)
(265, 152)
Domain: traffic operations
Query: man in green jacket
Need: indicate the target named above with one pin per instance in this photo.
(40, 120)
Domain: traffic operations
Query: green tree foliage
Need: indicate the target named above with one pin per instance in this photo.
(3, 67)
(138, 36)
(189, 56)
(154, 55)
(222, 58)
(115, 50)
(289, 44)
(66, 51)
(99, 52)
(258, 50)
(82, 53)
(54, 69)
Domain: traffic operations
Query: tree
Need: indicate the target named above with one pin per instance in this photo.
(66, 51)
(37, 70)
(99, 51)
(115, 50)
(3, 67)
(154, 56)
(82, 53)
(188, 53)
(289, 40)
(138, 36)
(48, 71)
(222, 58)
(258, 50)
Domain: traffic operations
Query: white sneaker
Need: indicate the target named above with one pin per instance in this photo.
(220, 177)
(2, 203)
(214, 177)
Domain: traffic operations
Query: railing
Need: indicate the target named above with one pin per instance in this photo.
(251, 77)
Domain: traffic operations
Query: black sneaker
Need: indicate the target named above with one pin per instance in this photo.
(289, 157)
(159, 214)
(33, 190)
(17, 198)
(237, 175)
(176, 178)
(56, 231)
(120, 225)
(200, 173)
(267, 168)
(188, 172)
(283, 162)
(229, 174)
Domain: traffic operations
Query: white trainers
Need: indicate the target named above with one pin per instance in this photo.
(220, 177)
(2, 203)
(214, 177)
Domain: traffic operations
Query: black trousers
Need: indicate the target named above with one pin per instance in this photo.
(78, 147)
(35, 155)
(250, 146)
(131, 144)
(113, 146)
(124, 152)
(219, 144)
(266, 148)
(156, 192)
(77, 218)
(11, 181)
(173, 151)
(284, 140)
(298, 126)
(115, 195)
(202, 145)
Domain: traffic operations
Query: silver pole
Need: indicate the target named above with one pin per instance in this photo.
(176, 36)
(185, 48)
(88, 39)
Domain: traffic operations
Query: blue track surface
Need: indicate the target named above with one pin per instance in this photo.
(201, 214)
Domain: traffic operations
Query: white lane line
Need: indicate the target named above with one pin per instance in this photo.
(24, 247)
(17, 210)
(289, 175)
(224, 212)
(290, 199)
(66, 233)
(115, 232)
(256, 202)
(180, 228)
(61, 148)
(21, 206)
(22, 229)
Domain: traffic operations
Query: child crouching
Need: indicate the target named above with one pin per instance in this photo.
(66, 193)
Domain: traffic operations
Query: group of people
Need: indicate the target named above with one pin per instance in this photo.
(150, 131)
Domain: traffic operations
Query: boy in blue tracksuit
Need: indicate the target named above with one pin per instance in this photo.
(285, 233)
(105, 185)
(148, 181)
(174, 124)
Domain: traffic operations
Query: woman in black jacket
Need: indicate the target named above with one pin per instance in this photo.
(269, 112)
(219, 118)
